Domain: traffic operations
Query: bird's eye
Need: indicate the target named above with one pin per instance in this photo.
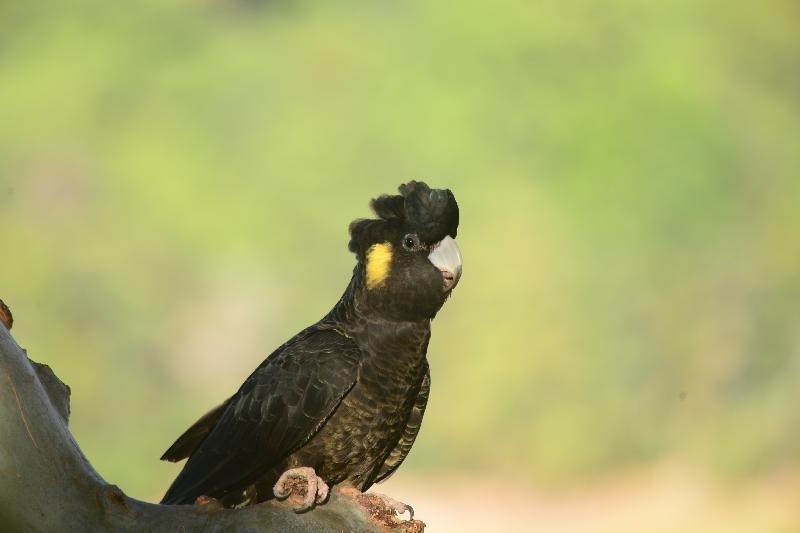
(410, 242)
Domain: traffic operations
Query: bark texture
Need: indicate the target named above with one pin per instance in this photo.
(46, 483)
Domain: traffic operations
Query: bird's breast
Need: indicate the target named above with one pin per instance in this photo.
(370, 420)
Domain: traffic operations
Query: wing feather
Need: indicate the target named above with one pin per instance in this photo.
(277, 410)
(187, 443)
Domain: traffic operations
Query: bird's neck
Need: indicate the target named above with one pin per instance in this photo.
(402, 341)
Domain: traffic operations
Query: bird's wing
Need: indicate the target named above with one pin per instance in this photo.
(277, 410)
(188, 442)
(403, 446)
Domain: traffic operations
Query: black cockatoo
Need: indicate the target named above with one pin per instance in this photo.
(342, 401)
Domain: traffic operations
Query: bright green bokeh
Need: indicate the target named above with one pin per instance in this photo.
(176, 181)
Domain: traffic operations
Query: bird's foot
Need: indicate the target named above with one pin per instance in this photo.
(303, 482)
(380, 506)
(390, 503)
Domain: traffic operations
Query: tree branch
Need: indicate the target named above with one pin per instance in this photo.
(46, 483)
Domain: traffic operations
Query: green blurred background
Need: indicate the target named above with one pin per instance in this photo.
(176, 181)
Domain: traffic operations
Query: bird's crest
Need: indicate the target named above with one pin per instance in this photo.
(430, 213)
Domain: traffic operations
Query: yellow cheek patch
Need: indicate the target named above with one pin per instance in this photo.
(379, 258)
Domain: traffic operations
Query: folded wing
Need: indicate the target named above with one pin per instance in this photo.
(277, 410)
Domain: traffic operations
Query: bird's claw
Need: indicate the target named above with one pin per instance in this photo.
(297, 480)
(397, 506)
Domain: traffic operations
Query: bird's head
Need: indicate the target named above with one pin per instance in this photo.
(408, 255)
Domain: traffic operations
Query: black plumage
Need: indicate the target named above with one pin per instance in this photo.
(345, 396)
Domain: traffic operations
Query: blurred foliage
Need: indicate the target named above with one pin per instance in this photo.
(176, 180)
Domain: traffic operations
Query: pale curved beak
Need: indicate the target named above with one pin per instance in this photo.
(446, 256)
